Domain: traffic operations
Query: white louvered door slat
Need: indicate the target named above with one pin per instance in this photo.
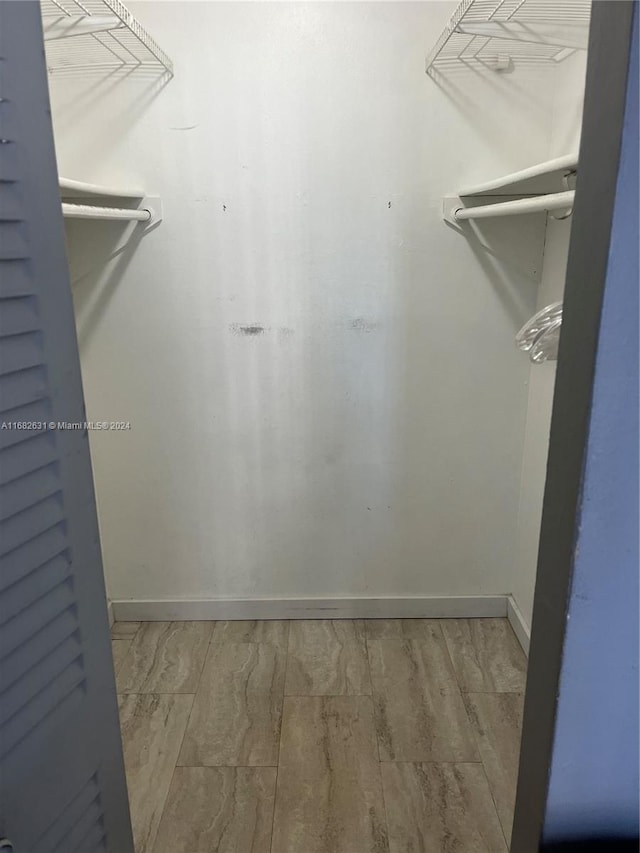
(62, 786)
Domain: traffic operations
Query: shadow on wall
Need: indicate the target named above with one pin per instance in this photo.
(462, 83)
(92, 87)
(510, 251)
(466, 433)
(98, 253)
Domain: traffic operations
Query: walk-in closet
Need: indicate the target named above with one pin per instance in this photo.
(317, 255)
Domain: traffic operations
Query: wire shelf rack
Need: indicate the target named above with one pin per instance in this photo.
(503, 33)
(98, 34)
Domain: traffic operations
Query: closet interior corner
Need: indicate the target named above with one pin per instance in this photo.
(333, 360)
(319, 372)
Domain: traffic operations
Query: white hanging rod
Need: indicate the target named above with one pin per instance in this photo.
(553, 201)
(89, 211)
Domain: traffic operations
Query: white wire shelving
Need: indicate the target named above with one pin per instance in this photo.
(98, 34)
(502, 33)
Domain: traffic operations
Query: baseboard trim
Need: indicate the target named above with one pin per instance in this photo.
(517, 622)
(430, 607)
(112, 618)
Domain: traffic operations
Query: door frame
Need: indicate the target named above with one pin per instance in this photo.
(62, 769)
(603, 117)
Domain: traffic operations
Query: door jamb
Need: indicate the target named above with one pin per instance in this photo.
(604, 108)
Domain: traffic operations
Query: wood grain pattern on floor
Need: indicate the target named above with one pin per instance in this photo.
(327, 658)
(124, 630)
(152, 728)
(427, 654)
(420, 715)
(440, 807)
(497, 722)
(165, 657)
(329, 793)
(379, 745)
(119, 649)
(238, 707)
(486, 655)
(218, 810)
(274, 632)
(402, 629)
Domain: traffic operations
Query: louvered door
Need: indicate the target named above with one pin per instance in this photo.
(62, 787)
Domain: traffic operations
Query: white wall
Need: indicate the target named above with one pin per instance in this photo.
(368, 441)
(568, 97)
(565, 138)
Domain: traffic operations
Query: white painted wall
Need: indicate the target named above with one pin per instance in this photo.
(568, 97)
(565, 138)
(367, 442)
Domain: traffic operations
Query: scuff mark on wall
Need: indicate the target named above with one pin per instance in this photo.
(359, 324)
(253, 329)
(250, 330)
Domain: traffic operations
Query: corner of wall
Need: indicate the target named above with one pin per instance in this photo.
(521, 628)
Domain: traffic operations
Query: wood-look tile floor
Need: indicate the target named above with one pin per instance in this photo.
(346, 736)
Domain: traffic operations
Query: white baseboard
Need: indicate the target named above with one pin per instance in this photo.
(112, 618)
(431, 607)
(517, 622)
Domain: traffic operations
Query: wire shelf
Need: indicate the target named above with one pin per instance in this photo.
(502, 33)
(95, 34)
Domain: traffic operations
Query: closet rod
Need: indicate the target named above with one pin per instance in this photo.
(552, 201)
(89, 211)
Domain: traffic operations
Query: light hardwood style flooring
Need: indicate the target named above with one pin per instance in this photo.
(321, 736)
